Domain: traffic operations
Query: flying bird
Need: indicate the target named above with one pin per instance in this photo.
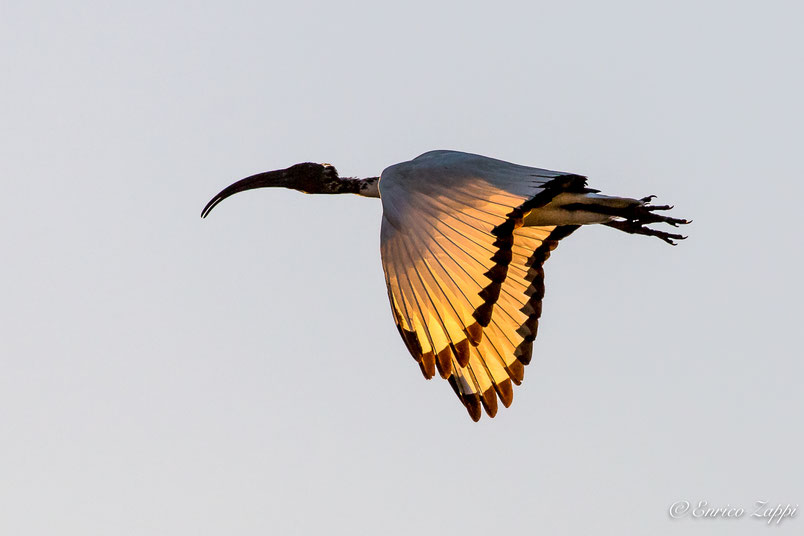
(463, 240)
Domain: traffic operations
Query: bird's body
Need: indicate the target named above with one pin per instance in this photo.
(463, 240)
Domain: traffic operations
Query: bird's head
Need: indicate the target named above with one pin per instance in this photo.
(306, 177)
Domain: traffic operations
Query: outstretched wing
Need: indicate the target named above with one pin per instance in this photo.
(464, 277)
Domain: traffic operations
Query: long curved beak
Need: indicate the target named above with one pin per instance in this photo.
(260, 180)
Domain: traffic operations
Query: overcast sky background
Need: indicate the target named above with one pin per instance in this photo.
(163, 374)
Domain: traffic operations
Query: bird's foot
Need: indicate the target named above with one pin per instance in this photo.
(636, 218)
(635, 227)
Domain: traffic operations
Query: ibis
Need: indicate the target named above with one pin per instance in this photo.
(463, 240)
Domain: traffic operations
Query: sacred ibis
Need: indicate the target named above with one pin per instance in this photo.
(463, 240)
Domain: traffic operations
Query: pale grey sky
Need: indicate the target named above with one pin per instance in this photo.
(163, 374)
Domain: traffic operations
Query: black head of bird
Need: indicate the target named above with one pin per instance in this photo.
(307, 177)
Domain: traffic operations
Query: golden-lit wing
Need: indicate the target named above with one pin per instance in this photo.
(464, 276)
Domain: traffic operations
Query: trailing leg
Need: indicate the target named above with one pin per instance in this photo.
(634, 220)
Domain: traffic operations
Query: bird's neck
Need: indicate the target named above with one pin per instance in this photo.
(369, 187)
(349, 185)
(328, 182)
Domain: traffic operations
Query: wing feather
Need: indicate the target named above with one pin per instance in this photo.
(464, 276)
